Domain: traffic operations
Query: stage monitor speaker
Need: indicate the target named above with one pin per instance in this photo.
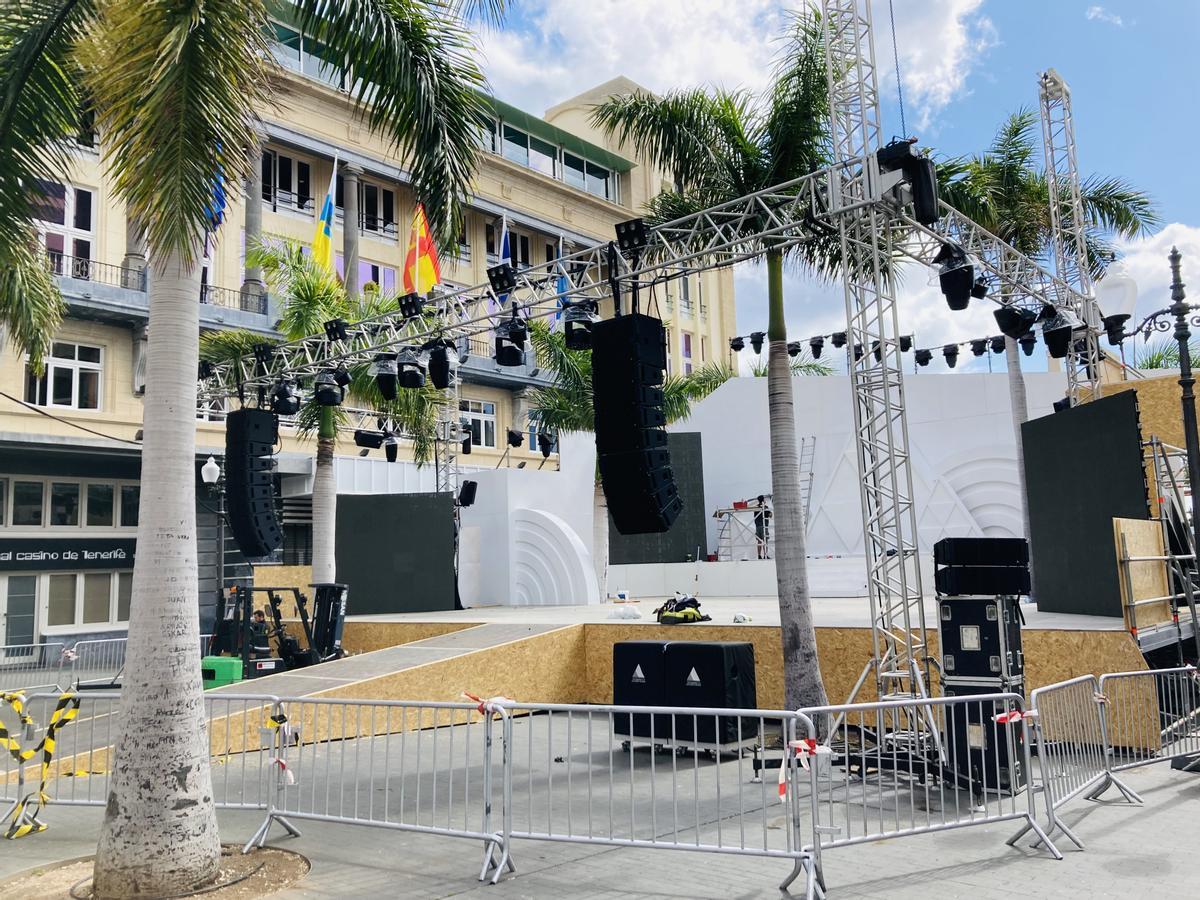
(989, 580)
(639, 679)
(971, 551)
(980, 639)
(991, 753)
(711, 674)
(628, 358)
(250, 436)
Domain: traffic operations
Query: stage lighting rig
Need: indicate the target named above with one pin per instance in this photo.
(327, 391)
(502, 279)
(411, 305)
(578, 319)
(368, 440)
(443, 363)
(737, 344)
(923, 357)
(410, 368)
(391, 446)
(384, 368)
(1015, 322)
(545, 443)
(816, 345)
(514, 438)
(1027, 341)
(1116, 295)
(285, 399)
(838, 339)
(510, 341)
(979, 346)
(756, 341)
(633, 236)
(920, 173)
(794, 348)
(1058, 330)
(956, 276)
(335, 330)
(950, 353)
(906, 342)
(997, 344)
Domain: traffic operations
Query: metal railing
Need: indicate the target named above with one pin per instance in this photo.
(1151, 716)
(897, 768)
(95, 271)
(96, 662)
(247, 301)
(28, 667)
(650, 777)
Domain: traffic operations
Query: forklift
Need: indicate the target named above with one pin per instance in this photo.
(240, 646)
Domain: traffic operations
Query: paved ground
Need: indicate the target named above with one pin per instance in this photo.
(1131, 852)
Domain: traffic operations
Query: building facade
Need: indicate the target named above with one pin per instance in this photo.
(69, 454)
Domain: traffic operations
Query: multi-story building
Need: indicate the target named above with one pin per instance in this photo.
(69, 458)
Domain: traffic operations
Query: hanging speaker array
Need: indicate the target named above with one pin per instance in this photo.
(628, 359)
(250, 438)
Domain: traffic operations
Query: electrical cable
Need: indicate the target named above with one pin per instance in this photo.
(896, 56)
(42, 412)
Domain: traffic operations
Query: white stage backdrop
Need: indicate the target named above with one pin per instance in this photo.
(960, 433)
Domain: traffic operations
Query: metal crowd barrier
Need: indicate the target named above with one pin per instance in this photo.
(97, 663)
(652, 777)
(905, 767)
(1151, 716)
(420, 767)
(29, 667)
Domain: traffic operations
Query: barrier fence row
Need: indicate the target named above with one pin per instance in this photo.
(765, 783)
(54, 665)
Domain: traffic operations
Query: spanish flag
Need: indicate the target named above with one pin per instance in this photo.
(421, 270)
(322, 245)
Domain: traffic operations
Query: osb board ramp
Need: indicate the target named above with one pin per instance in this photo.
(1142, 580)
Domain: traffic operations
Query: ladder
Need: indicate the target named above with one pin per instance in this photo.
(808, 450)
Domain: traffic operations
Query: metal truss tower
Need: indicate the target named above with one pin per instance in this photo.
(1068, 231)
(866, 227)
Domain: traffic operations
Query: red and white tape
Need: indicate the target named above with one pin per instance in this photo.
(491, 706)
(284, 768)
(804, 748)
(1014, 715)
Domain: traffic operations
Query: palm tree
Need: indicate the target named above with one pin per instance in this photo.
(800, 364)
(566, 406)
(176, 88)
(312, 296)
(717, 146)
(1162, 354)
(1005, 191)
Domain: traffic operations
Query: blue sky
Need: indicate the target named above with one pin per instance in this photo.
(965, 65)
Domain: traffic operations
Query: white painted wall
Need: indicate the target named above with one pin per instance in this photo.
(961, 435)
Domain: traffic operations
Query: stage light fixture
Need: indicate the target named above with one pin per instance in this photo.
(546, 443)
(410, 368)
(466, 446)
(1014, 321)
(285, 399)
(578, 319)
(1027, 341)
(368, 440)
(341, 377)
(838, 339)
(515, 438)
(979, 346)
(794, 348)
(980, 288)
(923, 357)
(335, 330)
(998, 344)
(383, 367)
(816, 345)
(391, 447)
(737, 344)
(510, 342)
(262, 354)
(632, 235)
(956, 276)
(877, 351)
(326, 390)
(906, 342)
(950, 354)
(411, 305)
(858, 352)
(204, 370)
(1058, 330)
(756, 341)
(443, 363)
(1062, 405)
(502, 278)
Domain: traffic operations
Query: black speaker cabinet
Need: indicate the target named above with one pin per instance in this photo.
(982, 580)
(991, 753)
(980, 638)
(639, 679)
(250, 436)
(711, 675)
(967, 551)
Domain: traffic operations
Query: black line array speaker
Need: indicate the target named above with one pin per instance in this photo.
(250, 437)
(968, 551)
(981, 566)
(628, 359)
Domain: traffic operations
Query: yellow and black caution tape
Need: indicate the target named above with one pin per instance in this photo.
(25, 814)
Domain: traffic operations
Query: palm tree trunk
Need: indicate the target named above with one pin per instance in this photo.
(802, 683)
(600, 540)
(160, 829)
(324, 502)
(1020, 414)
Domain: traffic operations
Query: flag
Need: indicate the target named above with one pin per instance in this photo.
(505, 257)
(214, 211)
(421, 269)
(562, 285)
(322, 245)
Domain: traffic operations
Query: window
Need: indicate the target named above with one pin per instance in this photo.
(685, 295)
(687, 353)
(668, 351)
(287, 182)
(61, 503)
(551, 252)
(3, 499)
(302, 54)
(384, 277)
(516, 145)
(550, 159)
(703, 349)
(480, 420)
(574, 171)
(87, 598)
(599, 181)
(297, 544)
(543, 157)
(522, 259)
(27, 503)
(64, 504)
(100, 505)
(65, 218)
(130, 496)
(71, 379)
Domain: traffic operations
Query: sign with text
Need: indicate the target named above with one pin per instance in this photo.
(54, 554)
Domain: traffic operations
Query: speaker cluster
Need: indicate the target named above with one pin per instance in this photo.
(250, 438)
(628, 359)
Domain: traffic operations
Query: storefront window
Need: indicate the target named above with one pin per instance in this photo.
(27, 503)
(64, 503)
(60, 605)
(124, 595)
(130, 494)
(100, 505)
(97, 598)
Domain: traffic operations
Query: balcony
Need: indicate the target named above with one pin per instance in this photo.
(106, 292)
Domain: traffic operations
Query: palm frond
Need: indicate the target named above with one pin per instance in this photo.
(177, 84)
(31, 306)
(572, 369)
(226, 345)
(417, 83)
(801, 364)
(1117, 207)
(681, 391)
(1161, 354)
(415, 411)
(797, 118)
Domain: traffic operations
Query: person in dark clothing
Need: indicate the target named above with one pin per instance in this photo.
(260, 646)
(762, 526)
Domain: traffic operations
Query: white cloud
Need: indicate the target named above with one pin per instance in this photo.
(562, 47)
(1146, 262)
(1100, 14)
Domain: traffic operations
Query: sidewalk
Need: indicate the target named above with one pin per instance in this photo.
(1131, 852)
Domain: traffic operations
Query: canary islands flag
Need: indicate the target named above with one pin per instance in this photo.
(322, 245)
(421, 269)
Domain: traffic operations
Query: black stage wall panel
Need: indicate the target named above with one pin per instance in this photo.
(1083, 467)
(679, 542)
(396, 552)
